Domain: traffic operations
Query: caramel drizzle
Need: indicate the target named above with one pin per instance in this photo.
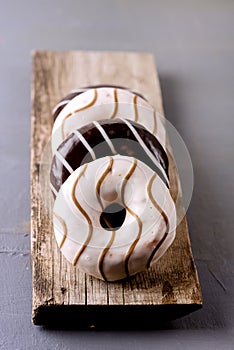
(162, 212)
(127, 177)
(155, 124)
(116, 104)
(63, 223)
(135, 108)
(102, 178)
(155, 250)
(133, 245)
(79, 207)
(109, 244)
(104, 252)
(91, 103)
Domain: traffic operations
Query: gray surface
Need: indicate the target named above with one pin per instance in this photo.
(194, 44)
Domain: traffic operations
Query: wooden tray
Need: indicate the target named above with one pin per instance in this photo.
(62, 295)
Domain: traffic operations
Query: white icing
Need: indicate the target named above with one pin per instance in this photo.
(85, 143)
(114, 188)
(105, 136)
(64, 162)
(103, 108)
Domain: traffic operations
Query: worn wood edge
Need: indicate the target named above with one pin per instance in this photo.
(46, 306)
(110, 316)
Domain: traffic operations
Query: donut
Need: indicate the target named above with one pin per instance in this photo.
(105, 103)
(62, 103)
(107, 137)
(115, 250)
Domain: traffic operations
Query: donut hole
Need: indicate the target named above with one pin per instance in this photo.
(112, 217)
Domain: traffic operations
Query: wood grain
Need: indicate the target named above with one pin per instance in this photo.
(61, 293)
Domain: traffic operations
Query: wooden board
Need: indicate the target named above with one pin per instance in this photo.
(62, 295)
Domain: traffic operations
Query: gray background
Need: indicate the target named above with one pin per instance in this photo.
(194, 45)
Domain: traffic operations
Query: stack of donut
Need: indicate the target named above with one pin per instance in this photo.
(113, 214)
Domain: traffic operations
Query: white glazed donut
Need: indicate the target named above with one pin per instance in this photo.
(146, 233)
(104, 103)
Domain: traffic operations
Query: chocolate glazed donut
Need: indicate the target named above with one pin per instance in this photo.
(57, 109)
(105, 138)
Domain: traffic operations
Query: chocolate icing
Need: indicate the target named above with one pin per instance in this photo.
(122, 138)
